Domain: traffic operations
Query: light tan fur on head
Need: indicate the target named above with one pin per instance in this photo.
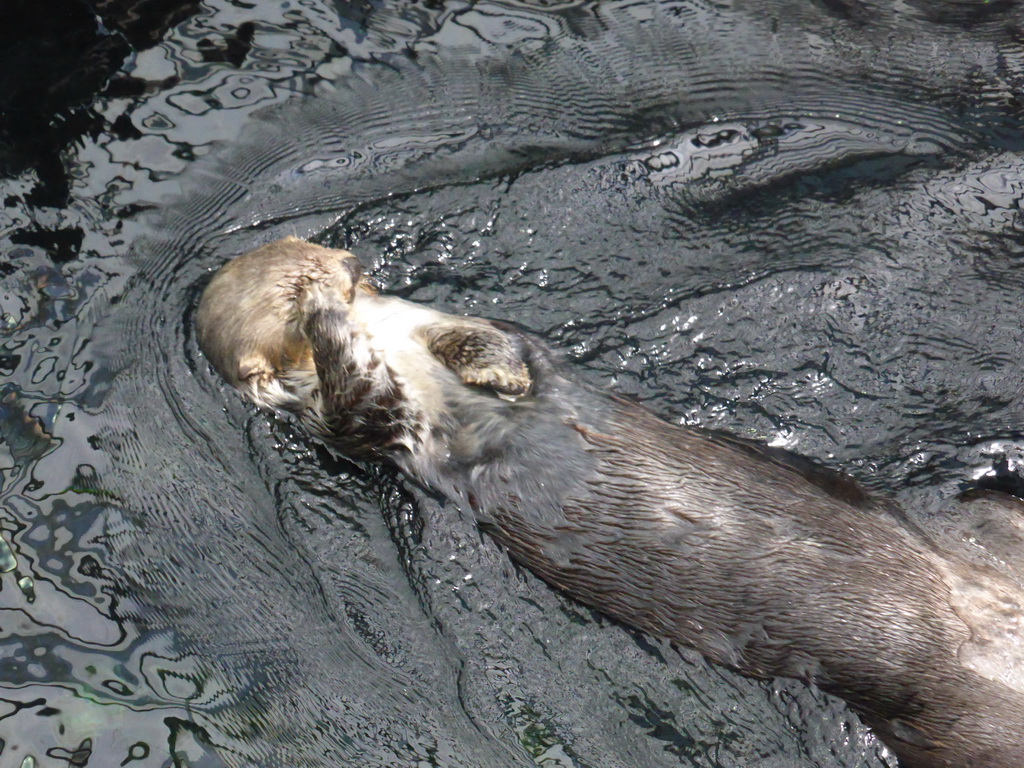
(249, 320)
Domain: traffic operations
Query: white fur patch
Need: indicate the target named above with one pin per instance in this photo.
(391, 330)
(994, 614)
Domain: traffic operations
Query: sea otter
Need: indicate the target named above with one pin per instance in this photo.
(762, 561)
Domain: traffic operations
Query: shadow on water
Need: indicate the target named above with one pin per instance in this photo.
(800, 221)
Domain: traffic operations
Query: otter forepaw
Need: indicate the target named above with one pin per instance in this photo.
(254, 367)
(482, 356)
(330, 282)
(319, 296)
(258, 378)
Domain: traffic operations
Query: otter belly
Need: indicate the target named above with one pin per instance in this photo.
(762, 561)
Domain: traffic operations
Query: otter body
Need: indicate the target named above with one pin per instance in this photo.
(759, 560)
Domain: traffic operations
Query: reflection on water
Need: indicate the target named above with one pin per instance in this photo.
(797, 221)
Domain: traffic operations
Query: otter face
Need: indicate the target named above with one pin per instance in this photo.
(250, 317)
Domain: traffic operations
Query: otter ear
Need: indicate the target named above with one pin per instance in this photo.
(482, 356)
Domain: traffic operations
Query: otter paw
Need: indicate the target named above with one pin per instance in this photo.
(482, 356)
(510, 382)
(316, 296)
(254, 368)
(330, 281)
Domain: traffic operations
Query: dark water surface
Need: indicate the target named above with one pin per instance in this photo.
(798, 221)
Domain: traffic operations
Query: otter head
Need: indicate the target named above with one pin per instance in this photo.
(250, 317)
